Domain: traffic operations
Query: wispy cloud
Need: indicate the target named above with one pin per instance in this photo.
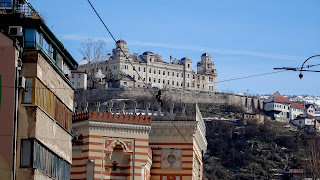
(77, 37)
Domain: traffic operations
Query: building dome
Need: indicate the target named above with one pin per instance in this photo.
(205, 54)
(147, 53)
(121, 41)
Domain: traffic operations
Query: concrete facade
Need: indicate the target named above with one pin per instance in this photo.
(41, 130)
(151, 69)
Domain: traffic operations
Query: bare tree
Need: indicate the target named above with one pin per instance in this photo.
(93, 50)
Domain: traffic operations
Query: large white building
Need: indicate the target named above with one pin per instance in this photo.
(151, 69)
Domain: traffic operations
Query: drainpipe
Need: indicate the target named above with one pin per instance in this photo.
(15, 115)
(15, 122)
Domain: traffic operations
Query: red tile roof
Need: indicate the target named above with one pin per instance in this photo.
(281, 99)
(297, 105)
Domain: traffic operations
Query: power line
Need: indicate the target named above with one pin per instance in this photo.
(136, 89)
(158, 99)
(245, 77)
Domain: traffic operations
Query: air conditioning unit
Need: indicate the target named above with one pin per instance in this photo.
(22, 82)
(15, 31)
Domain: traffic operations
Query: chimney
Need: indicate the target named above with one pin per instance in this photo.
(170, 59)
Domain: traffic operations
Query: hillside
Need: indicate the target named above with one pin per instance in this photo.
(268, 151)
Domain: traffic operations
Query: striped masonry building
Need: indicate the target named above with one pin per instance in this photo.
(154, 145)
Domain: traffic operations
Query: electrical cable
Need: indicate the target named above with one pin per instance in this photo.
(158, 99)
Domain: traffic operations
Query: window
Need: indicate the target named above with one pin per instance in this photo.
(78, 83)
(149, 79)
(158, 80)
(192, 76)
(177, 83)
(36, 155)
(106, 68)
(198, 77)
(150, 70)
(188, 76)
(134, 68)
(27, 96)
(164, 72)
(134, 77)
(202, 86)
(159, 72)
(172, 82)
(79, 75)
(168, 81)
(26, 154)
(181, 83)
(30, 37)
(172, 73)
(182, 75)
(154, 79)
(198, 86)
(154, 71)
(150, 59)
(144, 70)
(177, 74)
(188, 85)
(72, 75)
(203, 78)
(92, 70)
(163, 81)
(168, 73)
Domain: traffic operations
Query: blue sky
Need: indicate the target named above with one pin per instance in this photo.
(244, 37)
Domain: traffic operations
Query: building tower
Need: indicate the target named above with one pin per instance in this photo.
(205, 66)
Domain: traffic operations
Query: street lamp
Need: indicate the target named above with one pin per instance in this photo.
(301, 75)
(300, 69)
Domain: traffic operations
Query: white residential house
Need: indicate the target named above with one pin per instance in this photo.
(307, 122)
(79, 79)
(278, 108)
(310, 109)
(281, 109)
(296, 110)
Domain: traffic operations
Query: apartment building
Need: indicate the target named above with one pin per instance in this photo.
(36, 97)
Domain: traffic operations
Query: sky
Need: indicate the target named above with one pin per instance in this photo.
(244, 38)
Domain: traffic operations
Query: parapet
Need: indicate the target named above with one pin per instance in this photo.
(112, 117)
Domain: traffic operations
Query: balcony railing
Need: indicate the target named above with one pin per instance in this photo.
(23, 8)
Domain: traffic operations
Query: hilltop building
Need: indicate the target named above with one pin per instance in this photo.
(36, 97)
(151, 68)
(152, 145)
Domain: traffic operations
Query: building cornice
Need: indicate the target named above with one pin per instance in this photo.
(101, 126)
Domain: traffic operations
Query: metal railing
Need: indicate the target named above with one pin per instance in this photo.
(23, 8)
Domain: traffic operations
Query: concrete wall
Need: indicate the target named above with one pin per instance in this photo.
(93, 96)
